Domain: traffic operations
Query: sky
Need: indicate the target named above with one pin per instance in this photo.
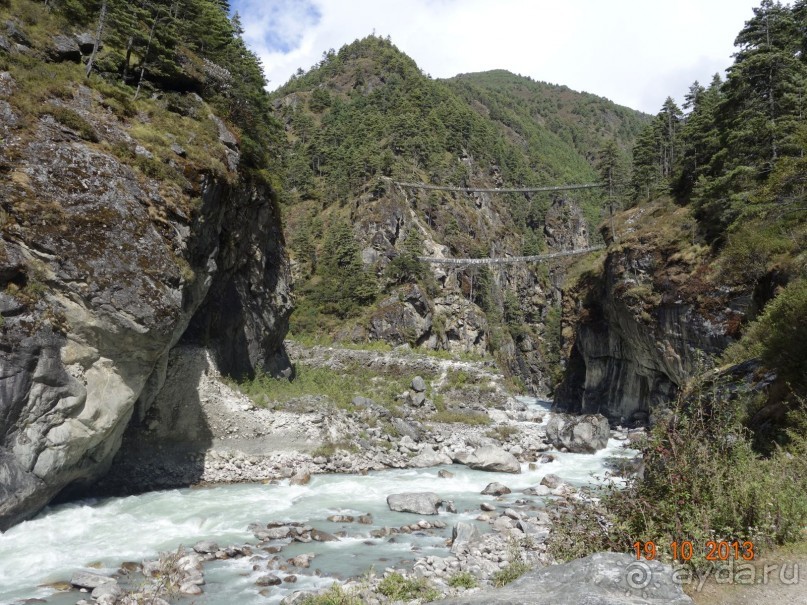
(634, 52)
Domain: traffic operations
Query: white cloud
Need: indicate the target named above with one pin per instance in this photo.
(635, 52)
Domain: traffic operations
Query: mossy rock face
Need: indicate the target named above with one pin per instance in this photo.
(103, 266)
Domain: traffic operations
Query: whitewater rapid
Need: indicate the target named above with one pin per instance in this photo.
(106, 532)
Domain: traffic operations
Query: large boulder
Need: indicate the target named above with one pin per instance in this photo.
(429, 457)
(420, 503)
(494, 459)
(599, 579)
(463, 533)
(582, 434)
(65, 48)
(495, 489)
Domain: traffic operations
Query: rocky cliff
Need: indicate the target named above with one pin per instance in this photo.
(110, 255)
(645, 316)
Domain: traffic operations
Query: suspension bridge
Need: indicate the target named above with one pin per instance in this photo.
(506, 260)
(497, 189)
(502, 260)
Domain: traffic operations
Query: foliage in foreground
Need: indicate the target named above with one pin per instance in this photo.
(398, 588)
(463, 579)
(335, 595)
(702, 481)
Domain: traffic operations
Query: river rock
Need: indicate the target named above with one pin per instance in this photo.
(463, 533)
(599, 579)
(537, 533)
(303, 561)
(276, 533)
(461, 456)
(190, 589)
(205, 547)
(323, 536)
(495, 489)
(429, 457)
(341, 519)
(107, 589)
(405, 428)
(493, 459)
(298, 597)
(420, 503)
(538, 490)
(551, 481)
(579, 434)
(89, 580)
(300, 478)
(268, 580)
(444, 474)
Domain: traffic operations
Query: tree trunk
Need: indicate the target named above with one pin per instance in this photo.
(99, 32)
(145, 56)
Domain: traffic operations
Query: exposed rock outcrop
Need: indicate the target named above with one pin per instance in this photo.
(638, 327)
(601, 578)
(103, 270)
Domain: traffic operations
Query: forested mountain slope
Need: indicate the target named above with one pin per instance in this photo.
(695, 318)
(366, 116)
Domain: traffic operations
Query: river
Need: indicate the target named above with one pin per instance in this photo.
(103, 533)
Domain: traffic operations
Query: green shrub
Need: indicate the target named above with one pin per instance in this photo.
(702, 481)
(513, 571)
(463, 579)
(335, 595)
(398, 588)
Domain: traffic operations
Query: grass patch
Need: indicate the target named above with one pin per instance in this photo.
(513, 571)
(456, 379)
(338, 386)
(458, 417)
(335, 595)
(463, 579)
(69, 118)
(503, 432)
(398, 588)
(329, 449)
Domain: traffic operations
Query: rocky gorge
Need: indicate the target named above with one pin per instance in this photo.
(517, 449)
